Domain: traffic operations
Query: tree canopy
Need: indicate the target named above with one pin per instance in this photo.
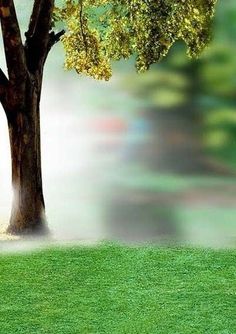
(99, 31)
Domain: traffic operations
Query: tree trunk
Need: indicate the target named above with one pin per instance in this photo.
(28, 210)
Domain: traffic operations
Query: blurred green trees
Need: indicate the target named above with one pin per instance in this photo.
(219, 78)
(192, 103)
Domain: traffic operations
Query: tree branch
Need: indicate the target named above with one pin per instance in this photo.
(56, 37)
(81, 26)
(34, 18)
(14, 50)
(38, 34)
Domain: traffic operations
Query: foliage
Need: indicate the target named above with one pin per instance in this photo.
(167, 86)
(100, 31)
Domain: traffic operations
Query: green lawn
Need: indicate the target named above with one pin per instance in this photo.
(116, 289)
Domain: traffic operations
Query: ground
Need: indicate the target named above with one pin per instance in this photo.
(114, 289)
(3, 235)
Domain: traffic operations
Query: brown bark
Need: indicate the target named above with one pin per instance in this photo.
(28, 210)
(39, 39)
(13, 47)
(20, 96)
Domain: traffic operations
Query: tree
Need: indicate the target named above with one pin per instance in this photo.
(93, 32)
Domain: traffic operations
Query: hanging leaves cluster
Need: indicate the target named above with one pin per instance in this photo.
(99, 31)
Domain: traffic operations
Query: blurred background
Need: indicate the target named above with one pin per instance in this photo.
(141, 158)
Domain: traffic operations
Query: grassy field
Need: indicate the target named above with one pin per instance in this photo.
(116, 289)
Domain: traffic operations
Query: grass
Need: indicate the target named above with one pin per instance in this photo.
(113, 289)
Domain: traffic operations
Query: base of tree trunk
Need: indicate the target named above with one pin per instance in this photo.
(38, 228)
